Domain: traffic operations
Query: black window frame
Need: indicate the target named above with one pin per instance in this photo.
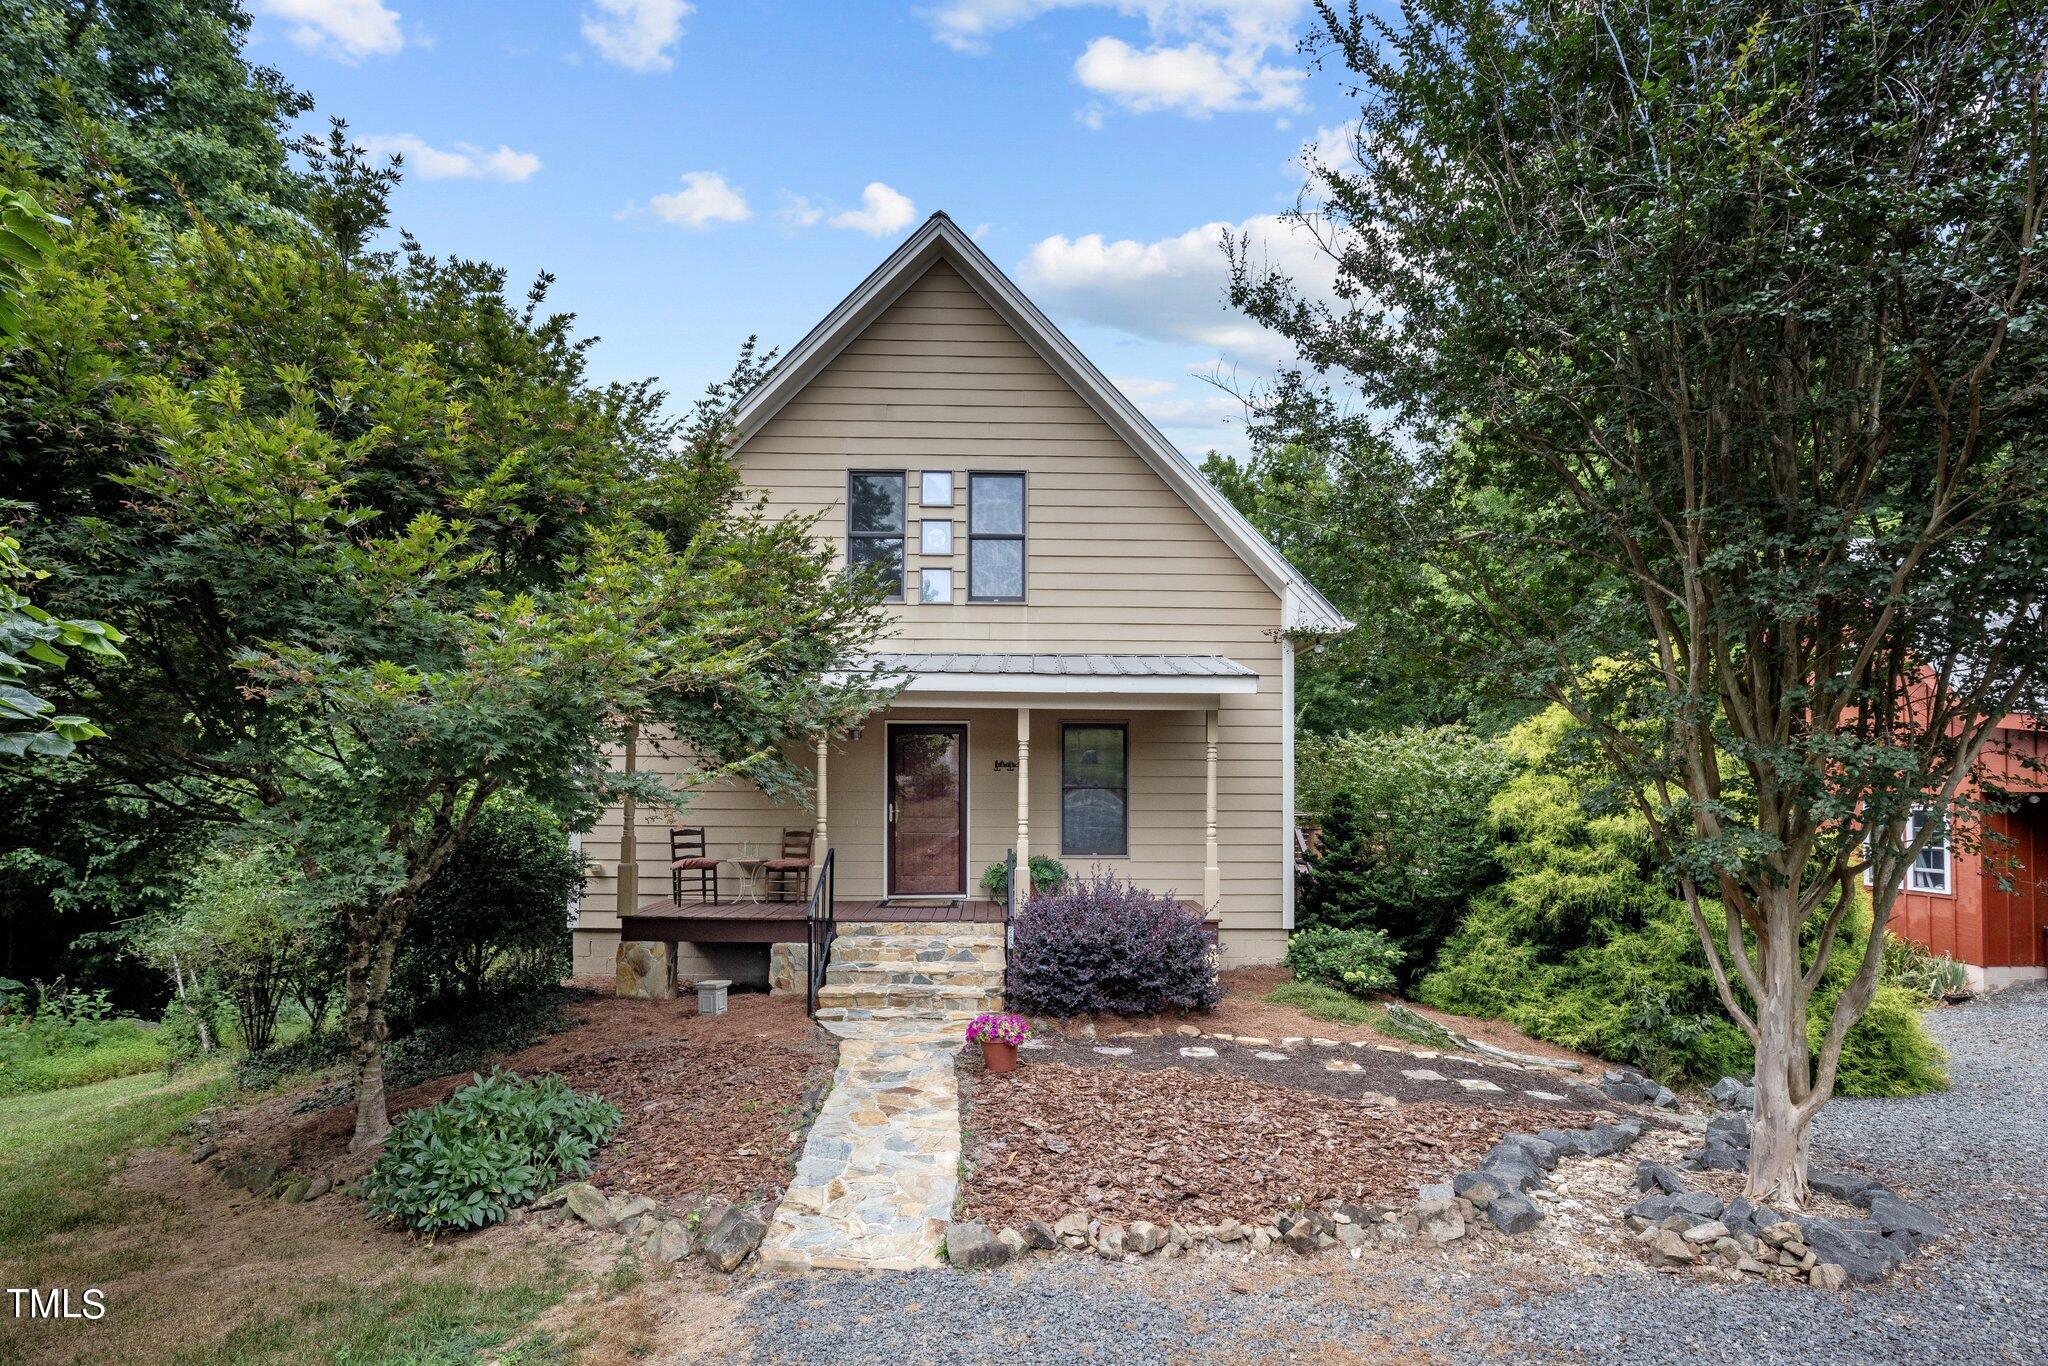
(901, 536)
(1022, 536)
(1123, 729)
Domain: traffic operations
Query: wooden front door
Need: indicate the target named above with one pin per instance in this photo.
(2016, 889)
(927, 810)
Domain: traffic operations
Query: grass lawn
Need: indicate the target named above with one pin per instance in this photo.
(1339, 1007)
(306, 1288)
(125, 1048)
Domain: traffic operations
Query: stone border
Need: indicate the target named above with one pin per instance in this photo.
(1684, 1228)
(1444, 1213)
(725, 1234)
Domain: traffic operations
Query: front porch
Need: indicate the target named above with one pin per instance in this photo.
(782, 922)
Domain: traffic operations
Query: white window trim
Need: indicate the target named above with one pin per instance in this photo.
(1930, 881)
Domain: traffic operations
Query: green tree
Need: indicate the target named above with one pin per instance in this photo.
(385, 554)
(150, 100)
(1404, 845)
(1714, 334)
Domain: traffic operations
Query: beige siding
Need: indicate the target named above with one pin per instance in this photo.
(1118, 563)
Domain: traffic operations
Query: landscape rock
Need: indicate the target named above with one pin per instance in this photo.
(205, 1150)
(1671, 1247)
(1298, 1233)
(1655, 1176)
(319, 1186)
(1514, 1213)
(587, 1203)
(671, 1241)
(1039, 1236)
(1900, 1219)
(1109, 1240)
(1445, 1227)
(970, 1244)
(1144, 1238)
(728, 1241)
(1481, 1188)
(1013, 1240)
(1857, 1190)
(1864, 1255)
(1828, 1276)
(1605, 1140)
(1711, 1232)
(1733, 1093)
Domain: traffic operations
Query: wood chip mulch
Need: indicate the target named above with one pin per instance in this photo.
(711, 1116)
(1170, 1144)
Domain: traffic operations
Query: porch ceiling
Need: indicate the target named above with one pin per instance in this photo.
(1184, 678)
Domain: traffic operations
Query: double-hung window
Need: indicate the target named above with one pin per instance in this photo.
(1095, 788)
(874, 526)
(1930, 870)
(995, 538)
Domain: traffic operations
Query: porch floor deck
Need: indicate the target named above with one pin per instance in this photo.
(782, 922)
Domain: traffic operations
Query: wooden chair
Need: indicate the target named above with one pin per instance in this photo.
(790, 875)
(687, 854)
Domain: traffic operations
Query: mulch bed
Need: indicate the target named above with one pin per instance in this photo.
(713, 1116)
(1168, 1143)
(1304, 1070)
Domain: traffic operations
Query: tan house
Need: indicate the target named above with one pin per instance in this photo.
(1096, 650)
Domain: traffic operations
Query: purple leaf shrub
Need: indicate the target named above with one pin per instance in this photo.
(1105, 946)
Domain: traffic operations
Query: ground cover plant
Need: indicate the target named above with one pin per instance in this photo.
(1103, 945)
(497, 1143)
(1362, 962)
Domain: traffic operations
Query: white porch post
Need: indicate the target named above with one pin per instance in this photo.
(629, 838)
(1212, 874)
(824, 831)
(1024, 800)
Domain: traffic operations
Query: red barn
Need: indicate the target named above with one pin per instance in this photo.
(1982, 896)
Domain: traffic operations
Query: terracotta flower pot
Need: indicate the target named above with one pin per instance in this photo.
(999, 1057)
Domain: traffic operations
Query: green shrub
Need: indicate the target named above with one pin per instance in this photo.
(1586, 944)
(1405, 844)
(1047, 875)
(1361, 962)
(30, 1063)
(494, 919)
(496, 1143)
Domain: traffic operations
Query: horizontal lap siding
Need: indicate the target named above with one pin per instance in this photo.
(1118, 564)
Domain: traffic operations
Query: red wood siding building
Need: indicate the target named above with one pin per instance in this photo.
(1986, 902)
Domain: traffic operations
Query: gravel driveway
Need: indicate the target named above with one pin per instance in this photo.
(1978, 1154)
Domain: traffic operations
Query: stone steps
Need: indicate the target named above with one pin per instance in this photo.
(915, 996)
(865, 973)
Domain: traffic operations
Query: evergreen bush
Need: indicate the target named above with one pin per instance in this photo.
(1362, 962)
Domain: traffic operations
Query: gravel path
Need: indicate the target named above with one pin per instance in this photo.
(1978, 1154)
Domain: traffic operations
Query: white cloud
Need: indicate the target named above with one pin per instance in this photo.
(1175, 289)
(883, 211)
(1193, 78)
(461, 162)
(1139, 388)
(798, 212)
(636, 34)
(1201, 57)
(1334, 148)
(348, 29)
(704, 199)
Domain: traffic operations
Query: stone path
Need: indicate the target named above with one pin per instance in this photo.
(875, 1186)
(879, 1174)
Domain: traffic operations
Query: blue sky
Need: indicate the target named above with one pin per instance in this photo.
(695, 172)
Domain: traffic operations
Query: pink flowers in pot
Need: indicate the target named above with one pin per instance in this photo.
(997, 1027)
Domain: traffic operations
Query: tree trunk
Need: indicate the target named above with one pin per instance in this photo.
(1781, 1134)
(372, 945)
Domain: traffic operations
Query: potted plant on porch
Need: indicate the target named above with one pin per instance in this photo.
(999, 1034)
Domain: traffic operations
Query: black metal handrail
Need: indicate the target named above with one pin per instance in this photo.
(821, 927)
(1009, 917)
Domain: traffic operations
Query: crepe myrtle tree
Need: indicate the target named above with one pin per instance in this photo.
(380, 551)
(1710, 337)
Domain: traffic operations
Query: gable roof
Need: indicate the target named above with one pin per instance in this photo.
(940, 239)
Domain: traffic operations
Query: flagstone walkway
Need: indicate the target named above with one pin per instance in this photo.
(875, 1187)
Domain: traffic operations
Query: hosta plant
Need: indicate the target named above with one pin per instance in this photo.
(497, 1143)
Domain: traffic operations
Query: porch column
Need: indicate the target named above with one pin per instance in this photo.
(1212, 875)
(629, 839)
(1024, 800)
(824, 833)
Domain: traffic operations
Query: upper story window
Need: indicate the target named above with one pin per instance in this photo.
(1930, 870)
(995, 538)
(875, 525)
